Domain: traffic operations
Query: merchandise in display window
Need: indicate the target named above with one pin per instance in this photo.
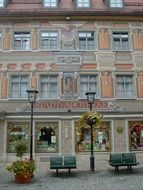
(46, 137)
(136, 135)
(101, 138)
(17, 131)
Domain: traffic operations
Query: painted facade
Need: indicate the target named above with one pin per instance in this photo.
(63, 51)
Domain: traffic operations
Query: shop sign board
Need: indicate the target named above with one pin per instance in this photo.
(76, 105)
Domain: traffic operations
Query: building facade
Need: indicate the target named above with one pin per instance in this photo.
(64, 48)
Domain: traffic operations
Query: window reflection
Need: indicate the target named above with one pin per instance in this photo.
(101, 138)
(17, 131)
(46, 137)
(136, 135)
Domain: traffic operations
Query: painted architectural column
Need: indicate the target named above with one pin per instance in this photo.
(6, 39)
(4, 86)
(138, 39)
(104, 42)
(107, 85)
(35, 39)
(140, 84)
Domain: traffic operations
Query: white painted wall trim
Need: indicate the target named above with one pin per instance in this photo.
(112, 136)
(73, 137)
(60, 137)
(127, 135)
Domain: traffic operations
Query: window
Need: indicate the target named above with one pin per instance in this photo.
(19, 85)
(136, 135)
(22, 40)
(116, 3)
(120, 41)
(124, 88)
(46, 137)
(88, 83)
(50, 3)
(101, 138)
(49, 40)
(83, 3)
(17, 131)
(86, 40)
(0, 40)
(49, 86)
(1, 3)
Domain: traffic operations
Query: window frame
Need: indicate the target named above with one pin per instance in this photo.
(49, 39)
(47, 77)
(83, 2)
(135, 131)
(18, 130)
(54, 125)
(20, 48)
(89, 84)
(101, 137)
(19, 86)
(125, 92)
(50, 1)
(120, 33)
(2, 4)
(87, 40)
(116, 4)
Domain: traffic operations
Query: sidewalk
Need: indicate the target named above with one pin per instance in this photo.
(104, 178)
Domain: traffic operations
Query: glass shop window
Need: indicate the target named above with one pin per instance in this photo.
(136, 135)
(46, 137)
(15, 132)
(101, 138)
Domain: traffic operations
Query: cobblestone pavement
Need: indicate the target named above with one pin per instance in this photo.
(104, 178)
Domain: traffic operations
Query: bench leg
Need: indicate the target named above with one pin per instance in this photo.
(57, 172)
(129, 168)
(116, 168)
(69, 171)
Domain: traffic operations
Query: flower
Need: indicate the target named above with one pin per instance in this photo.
(23, 167)
(90, 118)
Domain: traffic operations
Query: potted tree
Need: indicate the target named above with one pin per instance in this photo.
(22, 168)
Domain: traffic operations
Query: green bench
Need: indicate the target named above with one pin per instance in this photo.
(63, 162)
(123, 159)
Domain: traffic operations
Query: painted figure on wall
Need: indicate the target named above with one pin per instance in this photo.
(68, 86)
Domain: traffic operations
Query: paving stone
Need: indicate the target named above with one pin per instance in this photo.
(104, 178)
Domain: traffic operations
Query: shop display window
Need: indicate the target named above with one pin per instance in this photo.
(136, 135)
(101, 138)
(17, 131)
(46, 137)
